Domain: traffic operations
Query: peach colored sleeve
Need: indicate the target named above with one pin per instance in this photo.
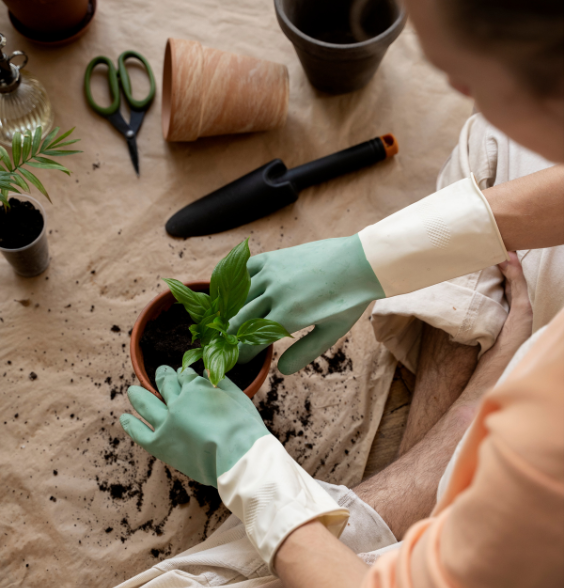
(501, 521)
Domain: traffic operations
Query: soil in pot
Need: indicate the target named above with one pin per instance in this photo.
(168, 337)
(20, 225)
(338, 22)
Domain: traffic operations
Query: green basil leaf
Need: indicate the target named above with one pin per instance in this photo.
(16, 148)
(195, 332)
(219, 357)
(217, 327)
(191, 356)
(207, 335)
(195, 303)
(36, 141)
(231, 282)
(261, 332)
(34, 180)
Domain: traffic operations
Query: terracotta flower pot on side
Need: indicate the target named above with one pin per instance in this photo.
(209, 92)
(160, 304)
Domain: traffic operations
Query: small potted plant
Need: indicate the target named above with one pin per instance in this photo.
(195, 331)
(23, 238)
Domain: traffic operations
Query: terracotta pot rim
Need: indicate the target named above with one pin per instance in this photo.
(148, 313)
(169, 106)
(62, 39)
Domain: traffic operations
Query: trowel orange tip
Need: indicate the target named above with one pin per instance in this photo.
(390, 144)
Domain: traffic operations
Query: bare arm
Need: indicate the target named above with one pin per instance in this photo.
(530, 210)
(311, 556)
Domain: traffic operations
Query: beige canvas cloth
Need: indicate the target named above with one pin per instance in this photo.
(472, 308)
(80, 505)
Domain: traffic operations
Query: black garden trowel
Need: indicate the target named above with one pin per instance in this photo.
(271, 187)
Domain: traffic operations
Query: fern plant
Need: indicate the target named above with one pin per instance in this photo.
(229, 288)
(29, 150)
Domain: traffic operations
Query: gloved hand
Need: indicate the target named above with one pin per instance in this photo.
(327, 283)
(217, 437)
(330, 283)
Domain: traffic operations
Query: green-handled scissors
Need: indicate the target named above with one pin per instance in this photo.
(117, 78)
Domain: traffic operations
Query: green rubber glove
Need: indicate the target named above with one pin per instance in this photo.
(201, 431)
(217, 437)
(330, 283)
(326, 283)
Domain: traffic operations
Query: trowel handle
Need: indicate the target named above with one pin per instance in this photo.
(342, 162)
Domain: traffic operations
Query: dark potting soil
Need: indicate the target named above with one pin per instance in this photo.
(168, 337)
(20, 225)
(332, 22)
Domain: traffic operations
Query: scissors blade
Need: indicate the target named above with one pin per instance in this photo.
(133, 153)
(136, 120)
(120, 125)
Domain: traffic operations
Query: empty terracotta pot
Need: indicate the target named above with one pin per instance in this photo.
(159, 304)
(210, 92)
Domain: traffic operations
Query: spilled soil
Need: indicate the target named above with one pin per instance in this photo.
(294, 421)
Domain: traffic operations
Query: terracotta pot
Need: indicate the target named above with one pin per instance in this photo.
(53, 17)
(159, 304)
(210, 92)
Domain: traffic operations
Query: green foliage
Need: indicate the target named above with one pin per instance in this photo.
(230, 281)
(30, 150)
(191, 356)
(260, 332)
(229, 288)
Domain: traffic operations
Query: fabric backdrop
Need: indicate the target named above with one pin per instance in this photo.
(80, 505)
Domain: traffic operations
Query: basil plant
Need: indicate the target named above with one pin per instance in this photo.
(229, 287)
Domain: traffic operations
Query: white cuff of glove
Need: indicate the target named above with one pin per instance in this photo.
(272, 495)
(448, 234)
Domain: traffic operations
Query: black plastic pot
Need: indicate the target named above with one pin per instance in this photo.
(340, 43)
(31, 259)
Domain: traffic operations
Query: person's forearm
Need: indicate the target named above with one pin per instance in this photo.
(312, 556)
(529, 211)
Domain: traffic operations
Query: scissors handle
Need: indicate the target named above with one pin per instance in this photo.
(126, 82)
(114, 86)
